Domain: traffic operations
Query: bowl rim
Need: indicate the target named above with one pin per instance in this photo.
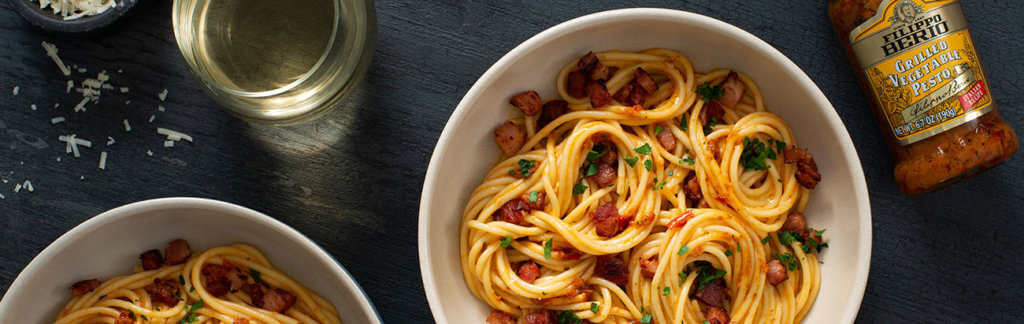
(457, 117)
(67, 239)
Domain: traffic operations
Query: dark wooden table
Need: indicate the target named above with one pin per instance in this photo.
(351, 181)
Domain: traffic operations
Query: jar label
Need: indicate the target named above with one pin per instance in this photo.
(921, 66)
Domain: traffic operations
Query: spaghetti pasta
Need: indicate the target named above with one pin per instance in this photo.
(681, 205)
(135, 298)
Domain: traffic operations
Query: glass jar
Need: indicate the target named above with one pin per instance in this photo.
(917, 63)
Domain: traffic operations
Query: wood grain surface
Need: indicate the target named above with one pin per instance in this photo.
(351, 180)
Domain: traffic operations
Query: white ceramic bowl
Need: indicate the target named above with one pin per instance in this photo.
(466, 149)
(109, 245)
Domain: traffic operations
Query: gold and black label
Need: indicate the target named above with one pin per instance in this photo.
(921, 66)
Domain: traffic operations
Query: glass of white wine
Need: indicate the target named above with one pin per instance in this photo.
(276, 62)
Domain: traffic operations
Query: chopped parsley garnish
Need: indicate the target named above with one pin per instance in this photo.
(787, 237)
(646, 318)
(591, 170)
(525, 166)
(706, 322)
(547, 249)
(755, 153)
(648, 164)
(666, 291)
(689, 160)
(658, 130)
(779, 145)
(738, 249)
(765, 239)
(255, 275)
(594, 307)
(710, 126)
(814, 242)
(579, 188)
(631, 160)
(144, 317)
(671, 173)
(506, 241)
(683, 123)
(780, 180)
(101, 297)
(593, 155)
(645, 149)
(191, 315)
(683, 250)
(707, 275)
(533, 197)
(181, 279)
(728, 253)
(708, 92)
(191, 289)
(682, 277)
(789, 259)
(658, 185)
(568, 317)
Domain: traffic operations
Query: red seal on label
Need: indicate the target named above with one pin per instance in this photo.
(972, 96)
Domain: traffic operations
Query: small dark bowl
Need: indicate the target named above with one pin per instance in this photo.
(47, 20)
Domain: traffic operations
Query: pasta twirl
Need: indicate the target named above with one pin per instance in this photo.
(680, 200)
(249, 286)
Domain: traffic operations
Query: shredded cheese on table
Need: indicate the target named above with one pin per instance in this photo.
(103, 160)
(173, 135)
(51, 51)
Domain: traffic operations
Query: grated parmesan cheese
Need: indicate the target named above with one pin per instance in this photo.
(124, 89)
(110, 141)
(51, 51)
(73, 143)
(15, 91)
(151, 118)
(173, 135)
(149, 152)
(17, 188)
(56, 120)
(103, 160)
(83, 142)
(82, 70)
(168, 143)
(28, 185)
(127, 127)
(33, 106)
(71, 84)
(2, 196)
(162, 95)
(160, 108)
(81, 104)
